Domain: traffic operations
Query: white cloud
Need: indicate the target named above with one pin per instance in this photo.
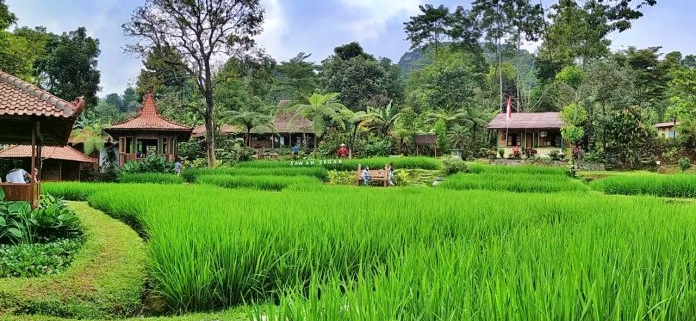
(376, 14)
(274, 29)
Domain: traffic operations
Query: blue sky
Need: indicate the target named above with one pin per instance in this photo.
(316, 27)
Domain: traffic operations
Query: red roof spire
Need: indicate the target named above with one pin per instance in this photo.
(149, 119)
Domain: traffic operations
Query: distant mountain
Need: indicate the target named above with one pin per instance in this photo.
(416, 59)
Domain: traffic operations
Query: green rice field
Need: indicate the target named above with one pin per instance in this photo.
(309, 251)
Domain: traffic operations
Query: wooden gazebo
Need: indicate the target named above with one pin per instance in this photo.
(57, 163)
(148, 134)
(32, 116)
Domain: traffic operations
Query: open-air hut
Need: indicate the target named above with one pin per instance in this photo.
(57, 163)
(34, 117)
(148, 134)
(287, 129)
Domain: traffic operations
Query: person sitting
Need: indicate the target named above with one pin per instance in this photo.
(366, 175)
(18, 175)
(390, 173)
(342, 151)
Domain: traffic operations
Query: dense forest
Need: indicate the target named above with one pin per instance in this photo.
(463, 65)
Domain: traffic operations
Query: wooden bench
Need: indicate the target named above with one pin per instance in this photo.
(28, 192)
(380, 175)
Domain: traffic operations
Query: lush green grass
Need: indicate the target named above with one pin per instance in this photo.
(105, 280)
(415, 253)
(157, 178)
(514, 182)
(271, 183)
(352, 164)
(478, 168)
(676, 185)
(191, 175)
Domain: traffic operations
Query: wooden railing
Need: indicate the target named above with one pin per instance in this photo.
(28, 192)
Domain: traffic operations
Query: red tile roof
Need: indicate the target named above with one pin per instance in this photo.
(47, 152)
(18, 97)
(527, 121)
(149, 119)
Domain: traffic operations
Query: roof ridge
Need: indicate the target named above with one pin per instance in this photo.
(69, 108)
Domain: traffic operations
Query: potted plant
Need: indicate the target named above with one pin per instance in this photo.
(501, 152)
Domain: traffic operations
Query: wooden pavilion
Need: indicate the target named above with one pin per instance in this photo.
(32, 116)
(148, 134)
(57, 163)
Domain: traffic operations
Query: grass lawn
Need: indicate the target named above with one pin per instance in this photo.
(105, 280)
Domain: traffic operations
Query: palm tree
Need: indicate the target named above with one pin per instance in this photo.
(384, 119)
(91, 135)
(320, 108)
(356, 120)
(248, 120)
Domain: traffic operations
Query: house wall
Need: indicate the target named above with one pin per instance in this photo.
(666, 132)
(542, 140)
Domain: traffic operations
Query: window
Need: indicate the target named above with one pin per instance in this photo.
(550, 140)
(513, 139)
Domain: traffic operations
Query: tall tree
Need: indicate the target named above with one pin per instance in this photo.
(7, 18)
(429, 28)
(69, 68)
(360, 79)
(295, 79)
(159, 73)
(197, 31)
(323, 111)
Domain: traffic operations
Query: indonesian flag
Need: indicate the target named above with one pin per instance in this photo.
(509, 108)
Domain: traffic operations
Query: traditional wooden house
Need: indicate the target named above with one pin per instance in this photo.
(531, 133)
(148, 134)
(286, 130)
(667, 130)
(57, 163)
(34, 117)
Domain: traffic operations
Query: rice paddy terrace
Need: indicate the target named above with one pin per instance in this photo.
(496, 243)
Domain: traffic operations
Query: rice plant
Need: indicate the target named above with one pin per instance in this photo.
(678, 185)
(352, 164)
(157, 178)
(523, 183)
(478, 168)
(349, 253)
(259, 182)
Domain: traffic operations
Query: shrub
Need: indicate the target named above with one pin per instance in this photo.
(341, 178)
(151, 164)
(684, 163)
(453, 166)
(157, 178)
(31, 260)
(50, 221)
(501, 152)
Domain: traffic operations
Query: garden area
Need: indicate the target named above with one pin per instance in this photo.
(268, 240)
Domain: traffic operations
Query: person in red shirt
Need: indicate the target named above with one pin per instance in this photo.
(342, 151)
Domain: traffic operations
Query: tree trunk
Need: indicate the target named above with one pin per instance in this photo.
(517, 72)
(210, 131)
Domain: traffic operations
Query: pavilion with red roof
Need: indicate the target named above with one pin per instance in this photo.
(32, 116)
(57, 163)
(148, 134)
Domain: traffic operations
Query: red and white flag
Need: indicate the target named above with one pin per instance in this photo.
(509, 108)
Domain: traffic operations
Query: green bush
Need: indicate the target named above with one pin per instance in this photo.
(31, 260)
(157, 178)
(684, 163)
(50, 221)
(352, 164)
(151, 164)
(453, 166)
(341, 178)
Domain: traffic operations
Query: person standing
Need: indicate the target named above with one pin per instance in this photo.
(390, 173)
(342, 151)
(296, 151)
(177, 166)
(18, 174)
